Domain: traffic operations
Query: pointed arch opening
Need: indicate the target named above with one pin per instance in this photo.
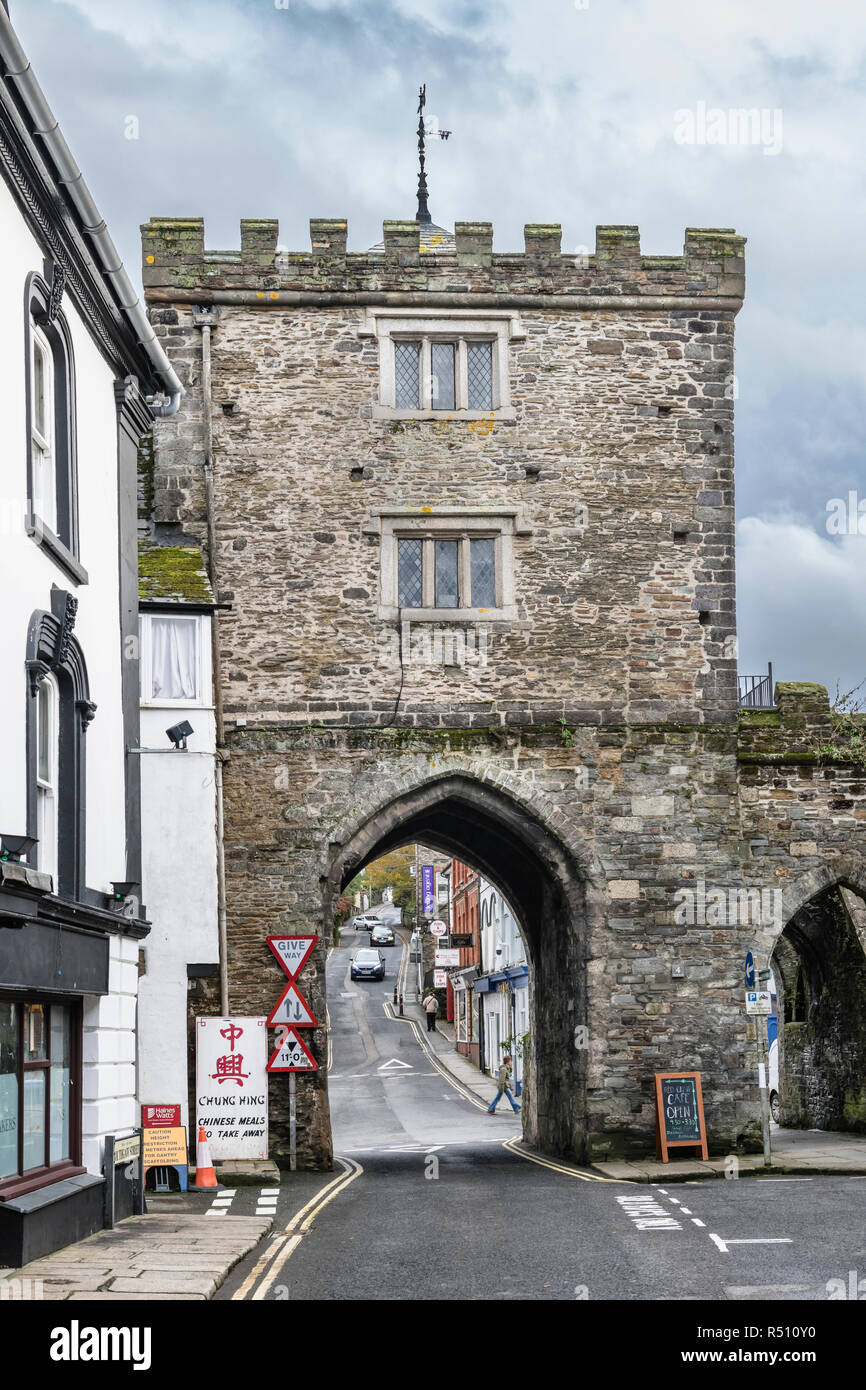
(521, 856)
(819, 966)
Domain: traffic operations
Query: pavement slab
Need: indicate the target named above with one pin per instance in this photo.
(147, 1257)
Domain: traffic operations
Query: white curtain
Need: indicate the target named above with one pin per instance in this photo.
(173, 658)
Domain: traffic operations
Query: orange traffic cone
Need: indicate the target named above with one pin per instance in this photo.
(205, 1175)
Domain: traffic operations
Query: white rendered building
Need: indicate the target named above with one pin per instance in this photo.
(78, 361)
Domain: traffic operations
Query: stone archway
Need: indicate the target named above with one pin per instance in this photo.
(819, 963)
(512, 846)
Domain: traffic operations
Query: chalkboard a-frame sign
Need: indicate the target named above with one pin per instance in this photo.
(680, 1112)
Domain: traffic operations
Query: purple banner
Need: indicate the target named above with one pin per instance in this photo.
(428, 899)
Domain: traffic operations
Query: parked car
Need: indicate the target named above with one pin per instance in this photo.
(382, 936)
(367, 964)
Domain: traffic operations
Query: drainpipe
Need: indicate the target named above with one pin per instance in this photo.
(206, 319)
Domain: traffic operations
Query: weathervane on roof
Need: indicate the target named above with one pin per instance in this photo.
(428, 127)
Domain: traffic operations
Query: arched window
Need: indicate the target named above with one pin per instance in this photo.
(47, 773)
(51, 466)
(59, 710)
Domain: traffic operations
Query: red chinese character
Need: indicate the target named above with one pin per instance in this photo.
(229, 1069)
(231, 1033)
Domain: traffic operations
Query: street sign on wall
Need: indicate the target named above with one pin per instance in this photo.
(446, 958)
(292, 1054)
(292, 952)
(438, 928)
(292, 1009)
(440, 979)
(231, 1086)
(758, 1001)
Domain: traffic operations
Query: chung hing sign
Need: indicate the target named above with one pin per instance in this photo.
(231, 1086)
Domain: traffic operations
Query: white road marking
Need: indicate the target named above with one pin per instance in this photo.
(685, 1211)
(218, 1211)
(270, 1191)
(648, 1214)
(762, 1291)
(675, 1201)
(752, 1240)
(696, 1222)
(395, 1065)
(785, 1180)
(760, 1240)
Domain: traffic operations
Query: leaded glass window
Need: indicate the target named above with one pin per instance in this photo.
(483, 571)
(410, 585)
(479, 369)
(407, 358)
(442, 376)
(446, 586)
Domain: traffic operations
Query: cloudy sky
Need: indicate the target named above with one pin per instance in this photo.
(561, 110)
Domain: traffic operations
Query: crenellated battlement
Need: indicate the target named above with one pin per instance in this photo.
(176, 264)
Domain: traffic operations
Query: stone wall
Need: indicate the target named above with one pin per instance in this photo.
(590, 767)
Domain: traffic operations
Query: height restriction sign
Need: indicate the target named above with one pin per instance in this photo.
(292, 1055)
(292, 952)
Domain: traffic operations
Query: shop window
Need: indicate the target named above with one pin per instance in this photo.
(39, 1124)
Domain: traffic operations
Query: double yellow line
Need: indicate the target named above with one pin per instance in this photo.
(284, 1245)
(514, 1146)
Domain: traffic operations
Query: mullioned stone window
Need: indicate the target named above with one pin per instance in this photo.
(434, 364)
(454, 565)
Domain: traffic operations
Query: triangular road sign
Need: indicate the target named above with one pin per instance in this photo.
(394, 1065)
(292, 952)
(293, 1009)
(292, 1055)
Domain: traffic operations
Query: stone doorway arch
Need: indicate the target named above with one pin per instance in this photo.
(512, 845)
(819, 965)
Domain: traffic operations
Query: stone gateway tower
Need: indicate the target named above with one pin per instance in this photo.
(471, 516)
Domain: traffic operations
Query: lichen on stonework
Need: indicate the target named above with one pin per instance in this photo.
(174, 572)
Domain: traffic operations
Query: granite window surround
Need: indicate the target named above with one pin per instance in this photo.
(455, 525)
(428, 328)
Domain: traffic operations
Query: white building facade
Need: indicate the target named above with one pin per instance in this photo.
(179, 800)
(502, 990)
(77, 358)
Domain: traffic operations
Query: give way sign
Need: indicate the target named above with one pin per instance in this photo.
(292, 952)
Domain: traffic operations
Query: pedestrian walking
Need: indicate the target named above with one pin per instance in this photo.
(504, 1083)
(431, 1004)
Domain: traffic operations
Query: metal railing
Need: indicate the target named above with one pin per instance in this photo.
(756, 692)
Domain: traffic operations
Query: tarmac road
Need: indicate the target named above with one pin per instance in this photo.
(429, 1202)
